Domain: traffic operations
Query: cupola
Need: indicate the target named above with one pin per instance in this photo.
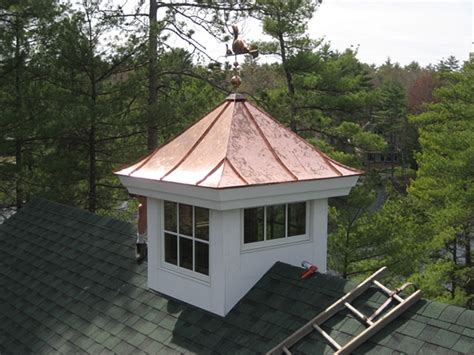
(227, 198)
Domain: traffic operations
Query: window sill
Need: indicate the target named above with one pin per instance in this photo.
(188, 274)
(273, 244)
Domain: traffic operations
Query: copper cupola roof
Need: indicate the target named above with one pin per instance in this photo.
(235, 145)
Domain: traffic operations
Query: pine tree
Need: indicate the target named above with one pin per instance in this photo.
(444, 188)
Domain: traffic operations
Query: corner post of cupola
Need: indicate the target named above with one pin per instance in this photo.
(318, 229)
(154, 207)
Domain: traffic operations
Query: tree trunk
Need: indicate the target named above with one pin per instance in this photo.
(92, 200)
(19, 105)
(152, 79)
(346, 253)
(289, 83)
(467, 244)
(19, 172)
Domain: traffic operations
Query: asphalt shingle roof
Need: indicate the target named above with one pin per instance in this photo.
(69, 283)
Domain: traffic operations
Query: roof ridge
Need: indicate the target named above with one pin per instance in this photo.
(200, 139)
(33, 203)
(234, 101)
(267, 143)
(212, 171)
(235, 171)
(323, 155)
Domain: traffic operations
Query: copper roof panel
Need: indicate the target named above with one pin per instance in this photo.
(250, 154)
(166, 157)
(236, 144)
(207, 154)
(295, 153)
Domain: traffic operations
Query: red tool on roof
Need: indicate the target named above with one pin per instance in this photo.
(310, 269)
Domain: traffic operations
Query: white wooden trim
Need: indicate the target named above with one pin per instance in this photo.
(186, 273)
(241, 197)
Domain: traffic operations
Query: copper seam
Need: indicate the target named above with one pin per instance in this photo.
(213, 170)
(147, 159)
(332, 167)
(236, 172)
(324, 156)
(149, 155)
(268, 143)
(197, 142)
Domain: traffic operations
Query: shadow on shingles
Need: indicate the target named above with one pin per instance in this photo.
(279, 304)
(67, 277)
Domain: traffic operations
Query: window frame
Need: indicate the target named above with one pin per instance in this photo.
(270, 243)
(176, 268)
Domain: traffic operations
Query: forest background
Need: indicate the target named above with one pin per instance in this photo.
(88, 87)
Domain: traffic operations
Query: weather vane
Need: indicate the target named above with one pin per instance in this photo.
(238, 47)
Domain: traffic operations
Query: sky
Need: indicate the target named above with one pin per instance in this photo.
(425, 31)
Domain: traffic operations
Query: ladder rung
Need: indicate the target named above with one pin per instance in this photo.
(286, 351)
(380, 309)
(327, 337)
(389, 292)
(359, 314)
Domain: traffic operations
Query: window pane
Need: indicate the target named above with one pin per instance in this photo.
(170, 216)
(275, 222)
(253, 225)
(296, 218)
(171, 249)
(186, 219)
(202, 258)
(201, 227)
(186, 253)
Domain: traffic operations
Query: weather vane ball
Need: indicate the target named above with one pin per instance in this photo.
(236, 81)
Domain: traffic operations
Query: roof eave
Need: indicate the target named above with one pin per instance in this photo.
(225, 198)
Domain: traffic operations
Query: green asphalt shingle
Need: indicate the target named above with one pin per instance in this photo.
(69, 283)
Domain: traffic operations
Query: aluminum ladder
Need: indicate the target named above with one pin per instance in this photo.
(373, 326)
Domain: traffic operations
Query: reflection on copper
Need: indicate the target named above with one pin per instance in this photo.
(236, 144)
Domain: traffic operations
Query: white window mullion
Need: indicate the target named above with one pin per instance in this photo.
(286, 220)
(193, 242)
(177, 236)
(264, 223)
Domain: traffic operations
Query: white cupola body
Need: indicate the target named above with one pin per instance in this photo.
(227, 198)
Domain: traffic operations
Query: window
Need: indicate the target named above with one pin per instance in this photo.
(186, 236)
(274, 222)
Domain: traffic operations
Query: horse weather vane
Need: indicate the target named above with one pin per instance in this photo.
(238, 47)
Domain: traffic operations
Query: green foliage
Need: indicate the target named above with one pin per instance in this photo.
(444, 186)
(347, 244)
